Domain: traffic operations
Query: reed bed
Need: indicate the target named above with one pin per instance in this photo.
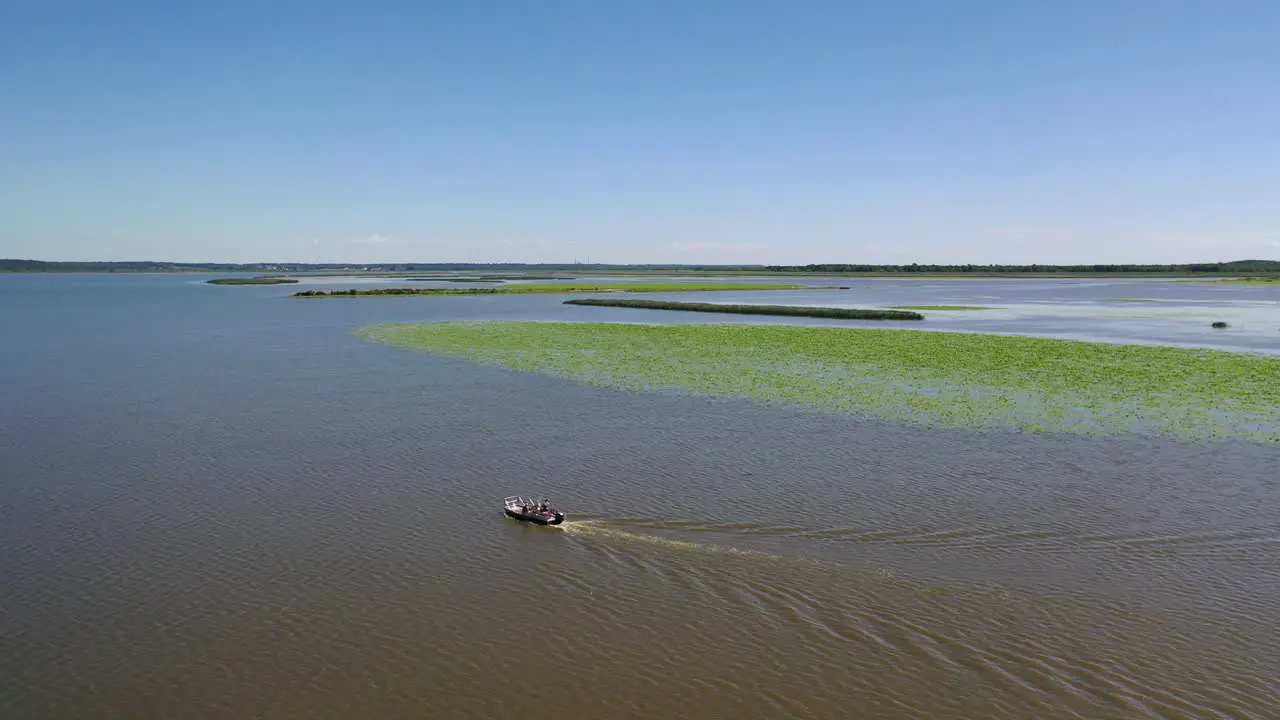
(942, 307)
(950, 380)
(1264, 281)
(252, 281)
(478, 279)
(627, 287)
(784, 310)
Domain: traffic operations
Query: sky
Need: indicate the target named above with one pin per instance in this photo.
(620, 131)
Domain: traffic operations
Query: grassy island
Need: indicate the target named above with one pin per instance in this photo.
(480, 279)
(786, 310)
(942, 307)
(1271, 281)
(265, 280)
(933, 378)
(625, 287)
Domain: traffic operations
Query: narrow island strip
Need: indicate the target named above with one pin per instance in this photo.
(935, 379)
(555, 288)
(948, 308)
(264, 280)
(784, 310)
(478, 278)
(1266, 281)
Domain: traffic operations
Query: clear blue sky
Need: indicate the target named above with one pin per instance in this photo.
(696, 131)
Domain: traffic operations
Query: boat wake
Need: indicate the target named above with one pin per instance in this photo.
(601, 529)
(1035, 650)
(850, 622)
(1243, 544)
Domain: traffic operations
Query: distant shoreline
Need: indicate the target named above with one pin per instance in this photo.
(1218, 270)
(1242, 280)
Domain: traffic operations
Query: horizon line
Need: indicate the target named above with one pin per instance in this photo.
(631, 264)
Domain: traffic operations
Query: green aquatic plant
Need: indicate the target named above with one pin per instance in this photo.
(265, 280)
(932, 378)
(1263, 281)
(477, 279)
(942, 307)
(623, 287)
(452, 280)
(787, 310)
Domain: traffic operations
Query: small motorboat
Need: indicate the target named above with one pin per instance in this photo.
(539, 512)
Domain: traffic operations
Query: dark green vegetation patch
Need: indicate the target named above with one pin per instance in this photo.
(253, 281)
(1272, 281)
(555, 288)
(940, 379)
(942, 307)
(787, 310)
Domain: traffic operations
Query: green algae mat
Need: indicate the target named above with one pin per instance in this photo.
(938, 379)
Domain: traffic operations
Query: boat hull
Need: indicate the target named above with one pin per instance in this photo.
(554, 519)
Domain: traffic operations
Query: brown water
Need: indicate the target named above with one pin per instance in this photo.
(223, 505)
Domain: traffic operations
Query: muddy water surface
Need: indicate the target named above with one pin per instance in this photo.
(217, 502)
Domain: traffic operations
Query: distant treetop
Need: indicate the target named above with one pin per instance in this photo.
(1237, 266)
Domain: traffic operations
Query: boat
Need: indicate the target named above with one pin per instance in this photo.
(540, 512)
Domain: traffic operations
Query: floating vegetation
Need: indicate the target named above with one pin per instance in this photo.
(394, 291)
(942, 307)
(788, 310)
(954, 380)
(480, 279)
(452, 280)
(556, 288)
(264, 280)
(1266, 280)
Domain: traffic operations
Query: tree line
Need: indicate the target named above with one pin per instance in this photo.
(1239, 266)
